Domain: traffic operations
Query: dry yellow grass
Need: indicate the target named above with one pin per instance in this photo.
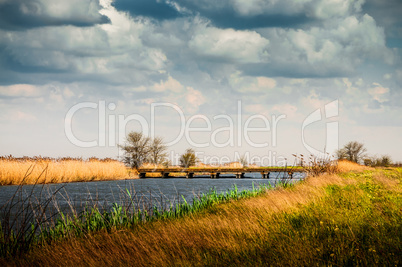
(347, 166)
(63, 171)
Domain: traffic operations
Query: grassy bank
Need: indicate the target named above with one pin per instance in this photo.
(350, 218)
(15, 171)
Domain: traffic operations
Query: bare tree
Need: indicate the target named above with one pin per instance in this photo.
(136, 149)
(243, 160)
(353, 151)
(140, 149)
(189, 158)
(157, 151)
(341, 154)
(384, 161)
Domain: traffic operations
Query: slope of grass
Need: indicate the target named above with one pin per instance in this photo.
(346, 219)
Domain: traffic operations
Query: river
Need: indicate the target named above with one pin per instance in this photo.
(145, 193)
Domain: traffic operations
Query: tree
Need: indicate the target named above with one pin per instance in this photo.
(140, 149)
(157, 151)
(243, 160)
(188, 159)
(353, 151)
(136, 149)
(341, 154)
(384, 161)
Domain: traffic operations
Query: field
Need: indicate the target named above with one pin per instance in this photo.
(15, 171)
(350, 218)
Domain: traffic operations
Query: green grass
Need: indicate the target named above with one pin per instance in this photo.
(357, 224)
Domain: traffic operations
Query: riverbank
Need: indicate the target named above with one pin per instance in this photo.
(349, 218)
(16, 171)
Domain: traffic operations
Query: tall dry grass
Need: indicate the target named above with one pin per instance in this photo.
(347, 166)
(43, 171)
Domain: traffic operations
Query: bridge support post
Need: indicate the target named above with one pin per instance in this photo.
(217, 175)
(189, 175)
(165, 175)
(142, 174)
(239, 175)
(213, 175)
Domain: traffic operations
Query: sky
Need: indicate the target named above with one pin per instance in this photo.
(265, 79)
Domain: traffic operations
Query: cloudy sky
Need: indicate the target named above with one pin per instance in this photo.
(76, 74)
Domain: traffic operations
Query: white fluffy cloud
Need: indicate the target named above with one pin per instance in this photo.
(20, 90)
(325, 9)
(338, 48)
(85, 11)
(27, 14)
(379, 93)
(247, 84)
(194, 99)
(229, 45)
(101, 49)
(169, 85)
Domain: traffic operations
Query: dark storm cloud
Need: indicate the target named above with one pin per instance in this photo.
(159, 10)
(223, 15)
(25, 14)
(12, 65)
(388, 14)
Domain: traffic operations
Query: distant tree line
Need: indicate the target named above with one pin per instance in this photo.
(140, 149)
(356, 152)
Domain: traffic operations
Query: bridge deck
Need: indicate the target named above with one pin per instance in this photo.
(214, 172)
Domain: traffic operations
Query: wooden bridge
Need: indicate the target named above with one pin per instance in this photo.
(215, 172)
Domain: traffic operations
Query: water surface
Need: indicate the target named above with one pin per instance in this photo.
(141, 193)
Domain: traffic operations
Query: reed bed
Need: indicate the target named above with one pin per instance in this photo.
(13, 171)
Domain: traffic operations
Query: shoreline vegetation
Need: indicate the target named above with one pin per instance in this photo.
(43, 170)
(352, 217)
